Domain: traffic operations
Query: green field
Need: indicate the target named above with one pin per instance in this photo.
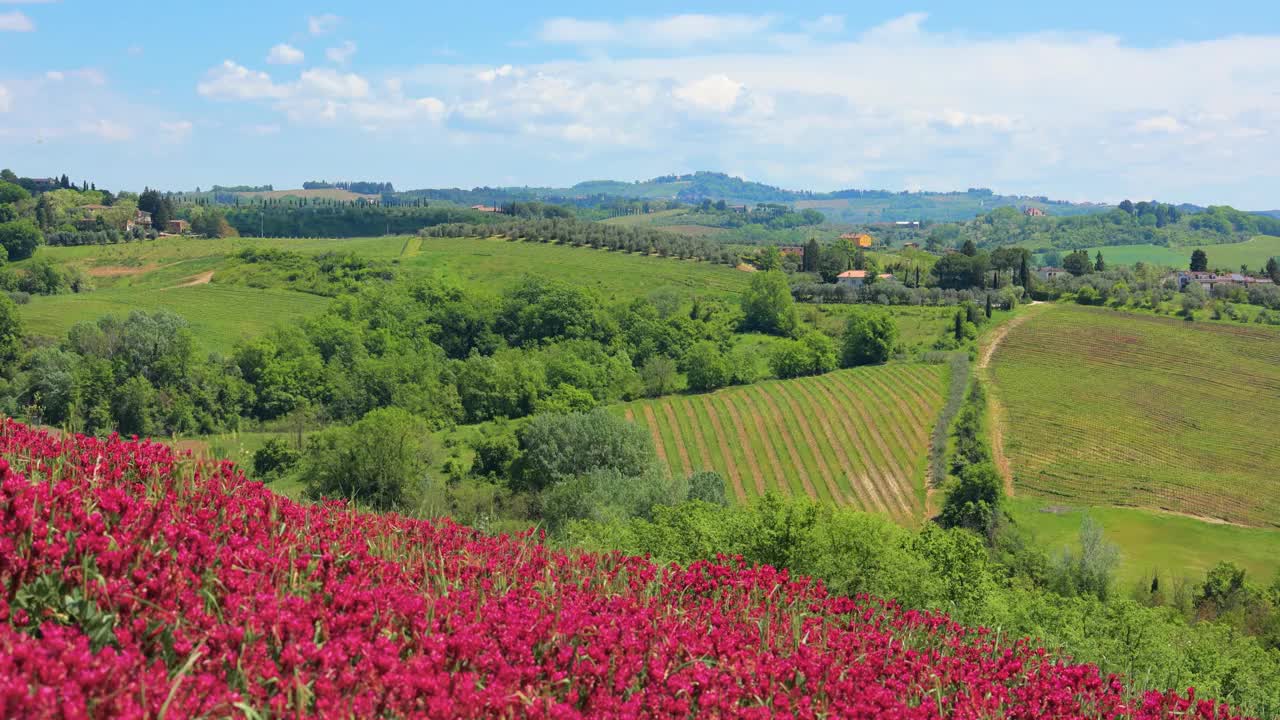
(856, 438)
(219, 315)
(1111, 409)
(1229, 256)
(149, 275)
(1153, 542)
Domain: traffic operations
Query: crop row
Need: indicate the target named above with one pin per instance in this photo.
(854, 438)
(1111, 408)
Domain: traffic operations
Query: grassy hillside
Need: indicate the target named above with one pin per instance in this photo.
(155, 274)
(1106, 408)
(1253, 252)
(220, 315)
(854, 438)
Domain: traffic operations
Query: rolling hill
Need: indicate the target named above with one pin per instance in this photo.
(1114, 409)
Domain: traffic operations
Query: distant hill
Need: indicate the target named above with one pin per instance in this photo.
(1270, 213)
(856, 206)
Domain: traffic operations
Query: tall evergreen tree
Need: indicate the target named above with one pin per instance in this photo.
(1199, 261)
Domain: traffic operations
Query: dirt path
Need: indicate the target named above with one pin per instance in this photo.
(201, 279)
(998, 414)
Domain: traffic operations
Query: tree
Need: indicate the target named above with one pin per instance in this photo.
(1024, 271)
(1099, 265)
(496, 452)
(1078, 263)
(381, 460)
(20, 238)
(974, 501)
(1127, 206)
(10, 334)
(555, 448)
(11, 193)
(274, 459)
(868, 339)
(813, 354)
(659, 376)
(769, 259)
(1199, 261)
(706, 367)
(708, 486)
(812, 252)
(987, 310)
(969, 248)
(1273, 270)
(1087, 572)
(767, 305)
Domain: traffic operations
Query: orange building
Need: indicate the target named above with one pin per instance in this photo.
(862, 240)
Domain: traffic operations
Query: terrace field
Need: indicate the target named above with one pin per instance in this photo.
(856, 438)
(1110, 409)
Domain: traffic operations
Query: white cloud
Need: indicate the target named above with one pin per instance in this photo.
(1160, 124)
(489, 76)
(92, 76)
(107, 130)
(16, 21)
(898, 27)
(675, 31)
(262, 130)
(323, 24)
(826, 24)
(333, 84)
(959, 119)
(342, 53)
(6, 100)
(285, 54)
(230, 81)
(177, 131)
(715, 93)
(134, 51)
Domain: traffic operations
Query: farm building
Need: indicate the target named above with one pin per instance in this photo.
(792, 250)
(177, 227)
(1050, 273)
(1033, 212)
(862, 240)
(1209, 280)
(487, 208)
(858, 278)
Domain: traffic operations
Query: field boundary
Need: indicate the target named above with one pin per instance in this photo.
(996, 412)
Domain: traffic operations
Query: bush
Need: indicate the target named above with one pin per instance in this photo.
(814, 354)
(274, 459)
(558, 447)
(706, 367)
(708, 486)
(868, 339)
(496, 452)
(659, 376)
(20, 238)
(767, 305)
(381, 460)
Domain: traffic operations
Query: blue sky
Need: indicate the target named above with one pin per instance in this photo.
(1084, 100)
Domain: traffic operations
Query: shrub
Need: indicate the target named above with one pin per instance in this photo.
(274, 459)
(868, 339)
(381, 460)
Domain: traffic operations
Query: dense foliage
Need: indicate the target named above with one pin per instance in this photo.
(187, 590)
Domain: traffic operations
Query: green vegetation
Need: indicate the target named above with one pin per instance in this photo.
(851, 438)
(1106, 408)
(1252, 253)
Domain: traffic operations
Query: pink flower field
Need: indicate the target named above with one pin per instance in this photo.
(135, 582)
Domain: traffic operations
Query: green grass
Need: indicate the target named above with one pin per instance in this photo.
(1231, 256)
(495, 263)
(855, 438)
(143, 276)
(1113, 409)
(1153, 542)
(219, 315)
